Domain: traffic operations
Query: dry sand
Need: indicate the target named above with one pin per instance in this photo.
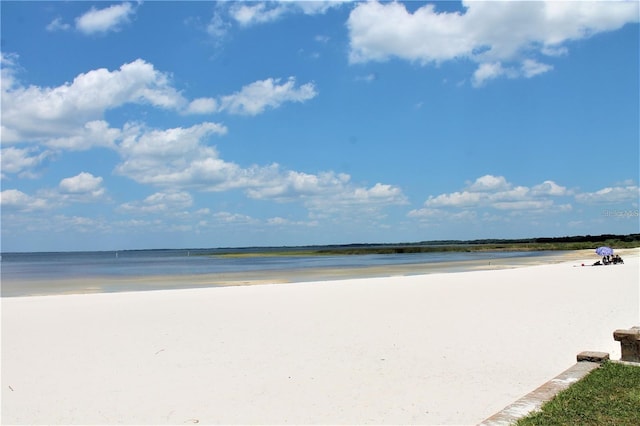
(447, 348)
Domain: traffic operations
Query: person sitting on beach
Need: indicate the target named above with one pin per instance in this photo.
(605, 260)
(617, 259)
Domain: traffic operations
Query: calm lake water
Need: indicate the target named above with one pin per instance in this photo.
(17, 268)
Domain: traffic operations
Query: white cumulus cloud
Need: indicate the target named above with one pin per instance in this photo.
(71, 116)
(494, 192)
(104, 20)
(180, 158)
(202, 106)
(82, 183)
(169, 157)
(489, 183)
(58, 25)
(43, 113)
(257, 13)
(608, 195)
(254, 98)
(172, 202)
(22, 161)
(13, 199)
(81, 188)
(252, 13)
(504, 38)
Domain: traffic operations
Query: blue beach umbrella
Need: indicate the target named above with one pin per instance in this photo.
(604, 251)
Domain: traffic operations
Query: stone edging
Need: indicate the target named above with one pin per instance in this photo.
(587, 362)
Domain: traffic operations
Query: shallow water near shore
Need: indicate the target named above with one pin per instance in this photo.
(25, 274)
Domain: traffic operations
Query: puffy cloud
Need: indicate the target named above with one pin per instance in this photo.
(59, 224)
(497, 193)
(82, 188)
(58, 25)
(168, 143)
(172, 157)
(489, 33)
(233, 218)
(22, 161)
(489, 183)
(81, 224)
(160, 202)
(179, 158)
(287, 186)
(494, 199)
(531, 67)
(609, 195)
(92, 134)
(180, 199)
(491, 201)
(8, 70)
(549, 187)
(519, 193)
(351, 199)
(254, 98)
(202, 106)
(378, 31)
(454, 199)
(318, 6)
(278, 221)
(492, 70)
(487, 71)
(530, 205)
(257, 13)
(253, 13)
(425, 213)
(41, 113)
(104, 20)
(70, 116)
(327, 192)
(13, 199)
(83, 183)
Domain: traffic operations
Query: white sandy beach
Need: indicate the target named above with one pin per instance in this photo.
(427, 349)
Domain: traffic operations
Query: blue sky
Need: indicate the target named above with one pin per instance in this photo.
(216, 124)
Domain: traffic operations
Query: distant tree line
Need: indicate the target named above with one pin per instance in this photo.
(491, 244)
(577, 242)
(572, 239)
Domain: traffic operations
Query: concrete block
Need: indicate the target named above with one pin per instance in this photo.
(629, 343)
(592, 356)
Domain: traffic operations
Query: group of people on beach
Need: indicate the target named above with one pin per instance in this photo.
(609, 260)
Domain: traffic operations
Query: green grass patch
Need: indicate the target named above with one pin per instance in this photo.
(608, 396)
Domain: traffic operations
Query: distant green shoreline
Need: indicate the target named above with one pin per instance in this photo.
(534, 244)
